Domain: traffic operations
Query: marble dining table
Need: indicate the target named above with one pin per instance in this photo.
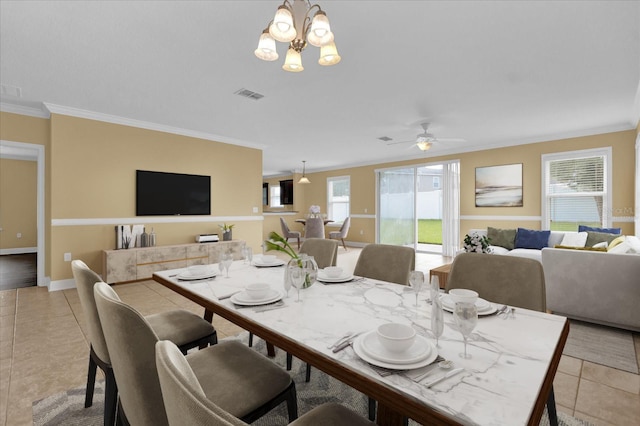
(506, 381)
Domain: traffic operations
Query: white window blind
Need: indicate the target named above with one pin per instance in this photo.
(338, 198)
(576, 189)
(275, 196)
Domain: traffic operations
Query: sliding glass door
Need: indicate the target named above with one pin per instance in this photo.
(396, 207)
(418, 206)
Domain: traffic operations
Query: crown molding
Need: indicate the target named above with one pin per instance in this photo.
(124, 121)
(24, 110)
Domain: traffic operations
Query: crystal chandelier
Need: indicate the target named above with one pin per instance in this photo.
(293, 24)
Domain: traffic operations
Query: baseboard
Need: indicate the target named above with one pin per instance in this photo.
(19, 250)
(62, 284)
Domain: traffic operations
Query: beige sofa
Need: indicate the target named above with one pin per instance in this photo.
(593, 286)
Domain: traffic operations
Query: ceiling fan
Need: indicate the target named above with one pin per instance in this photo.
(425, 139)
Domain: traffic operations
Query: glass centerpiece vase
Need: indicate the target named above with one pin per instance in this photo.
(308, 263)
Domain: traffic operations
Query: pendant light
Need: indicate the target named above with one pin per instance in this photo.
(304, 179)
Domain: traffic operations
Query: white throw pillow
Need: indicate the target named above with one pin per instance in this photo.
(623, 247)
(634, 242)
(574, 239)
(499, 250)
(603, 244)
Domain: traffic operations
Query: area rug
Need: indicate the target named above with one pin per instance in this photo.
(67, 408)
(603, 345)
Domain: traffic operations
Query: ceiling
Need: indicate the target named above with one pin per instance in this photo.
(492, 73)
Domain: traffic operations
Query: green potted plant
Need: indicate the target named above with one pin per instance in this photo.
(279, 243)
(226, 231)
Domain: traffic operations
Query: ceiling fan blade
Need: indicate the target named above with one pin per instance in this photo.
(400, 142)
(450, 140)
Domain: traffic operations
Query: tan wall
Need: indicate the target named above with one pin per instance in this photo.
(93, 176)
(363, 183)
(18, 204)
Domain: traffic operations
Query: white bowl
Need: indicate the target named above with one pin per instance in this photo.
(396, 337)
(462, 295)
(268, 258)
(257, 290)
(333, 271)
(198, 270)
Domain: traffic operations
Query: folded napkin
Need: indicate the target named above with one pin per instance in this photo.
(224, 292)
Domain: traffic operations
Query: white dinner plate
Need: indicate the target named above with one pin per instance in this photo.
(187, 276)
(341, 279)
(487, 307)
(261, 264)
(243, 298)
(416, 353)
(359, 350)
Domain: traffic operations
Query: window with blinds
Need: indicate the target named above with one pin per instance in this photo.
(576, 189)
(338, 198)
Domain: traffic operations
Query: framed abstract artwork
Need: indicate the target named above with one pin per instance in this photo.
(499, 186)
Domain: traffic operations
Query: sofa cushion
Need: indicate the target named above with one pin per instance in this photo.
(585, 228)
(594, 238)
(502, 237)
(574, 239)
(528, 238)
(616, 241)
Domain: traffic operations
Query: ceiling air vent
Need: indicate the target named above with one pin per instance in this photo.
(249, 94)
(385, 138)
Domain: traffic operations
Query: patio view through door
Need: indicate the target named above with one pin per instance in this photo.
(418, 207)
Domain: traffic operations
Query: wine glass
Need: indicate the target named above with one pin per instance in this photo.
(416, 279)
(466, 316)
(297, 276)
(249, 254)
(225, 260)
(437, 319)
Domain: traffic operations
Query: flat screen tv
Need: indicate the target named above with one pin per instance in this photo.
(169, 194)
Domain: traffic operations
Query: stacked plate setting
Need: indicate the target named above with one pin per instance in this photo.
(197, 272)
(341, 278)
(421, 353)
(483, 306)
(267, 261)
(244, 299)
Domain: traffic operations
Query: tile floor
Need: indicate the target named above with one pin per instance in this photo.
(44, 350)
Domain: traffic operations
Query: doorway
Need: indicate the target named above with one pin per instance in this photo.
(34, 152)
(418, 207)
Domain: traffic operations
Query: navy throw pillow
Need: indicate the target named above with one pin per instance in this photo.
(530, 239)
(584, 228)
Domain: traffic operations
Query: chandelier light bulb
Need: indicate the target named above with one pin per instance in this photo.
(293, 61)
(266, 47)
(329, 55)
(320, 32)
(282, 28)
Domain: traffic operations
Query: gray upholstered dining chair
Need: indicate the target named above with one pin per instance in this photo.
(386, 263)
(243, 382)
(182, 327)
(187, 403)
(85, 279)
(324, 252)
(507, 280)
(342, 233)
(314, 228)
(287, 233)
